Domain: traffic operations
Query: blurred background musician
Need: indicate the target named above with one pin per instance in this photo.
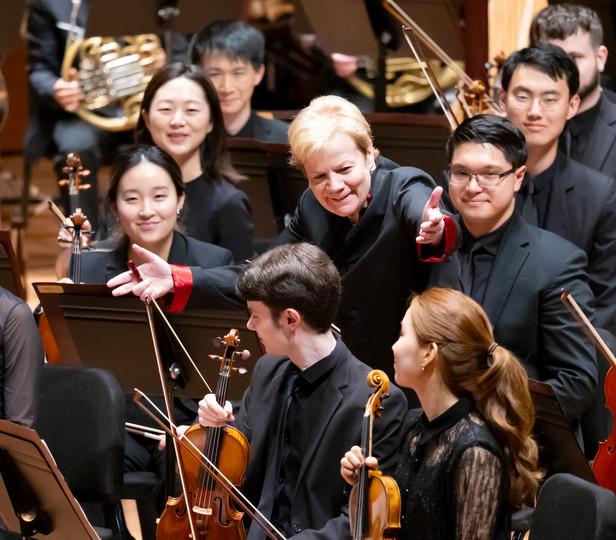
(539, 94)
(181, 114)
(55, 130)
(590, 137)
(21, 356)
(232, 55)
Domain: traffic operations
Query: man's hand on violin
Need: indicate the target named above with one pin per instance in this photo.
(352, 462)
(156, 278)
(211, 414)
(432, 220)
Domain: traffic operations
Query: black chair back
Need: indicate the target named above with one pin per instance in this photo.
(569, 508)
(81, 418)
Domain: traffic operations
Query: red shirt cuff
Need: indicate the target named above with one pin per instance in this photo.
(446, 245)
(182, 288)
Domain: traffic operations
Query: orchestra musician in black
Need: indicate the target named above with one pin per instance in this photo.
(306, 399)
(232, 55)
(467, 458)
(539, 93)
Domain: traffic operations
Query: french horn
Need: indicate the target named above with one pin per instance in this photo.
(112, 76)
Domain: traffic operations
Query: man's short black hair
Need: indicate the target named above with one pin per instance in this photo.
(298, 276)
(494, 130)
(547, 58)
(235, 39)
(560, 21)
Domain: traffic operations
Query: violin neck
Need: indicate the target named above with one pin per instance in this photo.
(74, 270)
(361, 516)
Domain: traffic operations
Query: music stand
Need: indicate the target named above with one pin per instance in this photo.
(272, 186)
(31, 482)
(95, 329)
(559, 451)
(10, 275)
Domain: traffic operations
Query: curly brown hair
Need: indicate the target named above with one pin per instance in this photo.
(472, 365)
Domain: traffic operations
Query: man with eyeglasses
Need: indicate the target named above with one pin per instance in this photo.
(539, 93)
(514, 270)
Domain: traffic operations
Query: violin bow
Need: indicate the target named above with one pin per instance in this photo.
(168, 401)
(567, 298)
(242, 501)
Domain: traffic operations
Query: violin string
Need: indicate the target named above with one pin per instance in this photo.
(179, 341)
(186, 441)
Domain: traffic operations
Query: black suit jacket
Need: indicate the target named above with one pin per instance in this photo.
(582, 209)
(377, 258)
(46, 42)
(100, 265)
(600, 153)
(264, 129)
(522, 300)
(319, 508)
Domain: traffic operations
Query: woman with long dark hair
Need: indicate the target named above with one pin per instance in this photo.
(181, 114)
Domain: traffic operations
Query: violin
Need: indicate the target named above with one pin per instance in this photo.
(214, 515)
(604, 464)
(374, 504)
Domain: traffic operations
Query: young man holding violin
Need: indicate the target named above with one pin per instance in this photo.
(304, 406)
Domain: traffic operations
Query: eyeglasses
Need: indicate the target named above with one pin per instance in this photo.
(484, 179)
(525, 101)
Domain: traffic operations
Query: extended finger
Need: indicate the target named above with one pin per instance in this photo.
(120, 279)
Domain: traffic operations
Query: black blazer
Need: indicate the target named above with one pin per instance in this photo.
(264, 129)
(319, 508)
(45, 54)
(600, 153)
(100, 265)
(522, 300)
(582, 209)
(377, 258)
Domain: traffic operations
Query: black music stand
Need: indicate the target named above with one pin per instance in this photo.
(11, 277)
(272, 185)
(95, 329)
(35, 501)
(559, 451)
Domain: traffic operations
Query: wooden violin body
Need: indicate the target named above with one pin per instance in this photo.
(215, 516)
(374, 504)
(383, 510)
(604, 464)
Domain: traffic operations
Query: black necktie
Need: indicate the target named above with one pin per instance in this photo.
(529, 206)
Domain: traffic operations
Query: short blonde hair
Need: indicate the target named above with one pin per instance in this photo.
(317, 124)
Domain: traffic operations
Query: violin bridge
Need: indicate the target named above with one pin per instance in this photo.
(202, 511)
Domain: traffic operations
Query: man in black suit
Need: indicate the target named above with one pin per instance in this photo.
(559, 194)
(304, 406)
(54, 128)
(590, 136)
(232, 54)
(514, 270)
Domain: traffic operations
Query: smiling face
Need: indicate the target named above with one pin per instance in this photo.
(538, 106)
(147, 205)
(234, 80)
(484, 209)
(339, 176)
(179, 119)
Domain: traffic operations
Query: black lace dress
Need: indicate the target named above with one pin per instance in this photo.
(452, 478)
